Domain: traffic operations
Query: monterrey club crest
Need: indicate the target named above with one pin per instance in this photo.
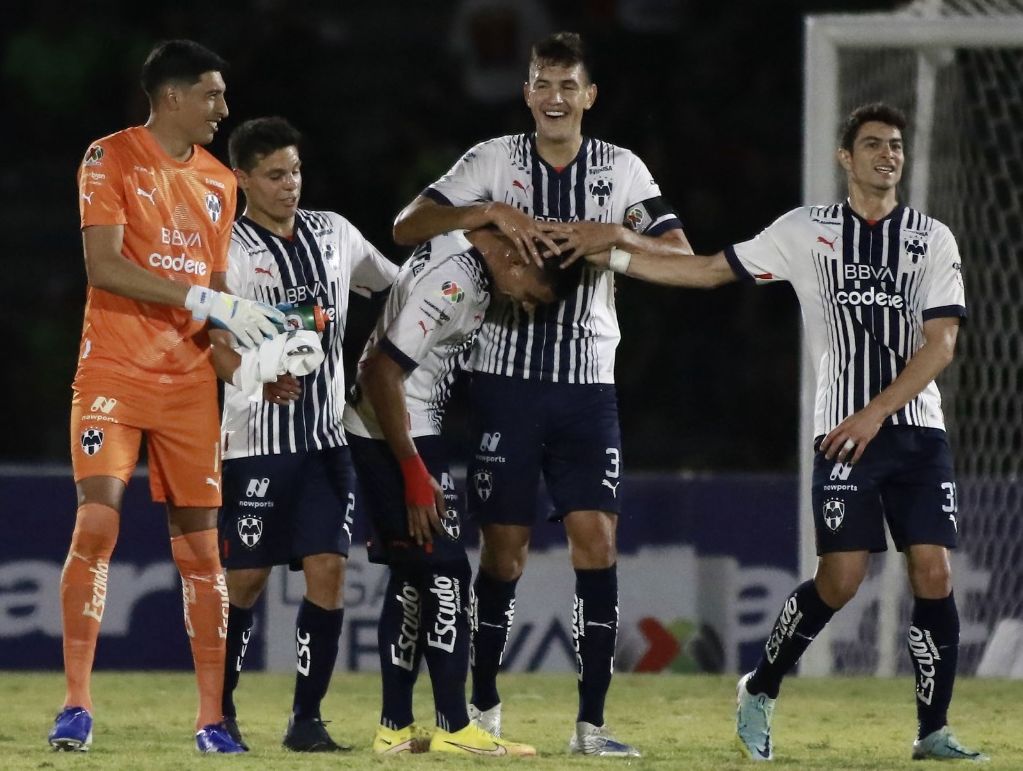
(92, 440)
(600, 189)
(250, 530)
(483, 481)
(213, 206)
(450, 523)
(834, 513)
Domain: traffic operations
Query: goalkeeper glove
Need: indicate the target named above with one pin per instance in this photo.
(249, 321)
(298, 352)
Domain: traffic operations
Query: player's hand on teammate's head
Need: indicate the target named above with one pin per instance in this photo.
(524, 232)
(249, 321)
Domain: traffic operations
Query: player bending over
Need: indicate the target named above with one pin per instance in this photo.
(394, 421)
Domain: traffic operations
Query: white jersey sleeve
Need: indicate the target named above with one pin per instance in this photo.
(471, 179)
(943, 293)
(436, 310)
(371, 271)
(765, 258)
(238, 270)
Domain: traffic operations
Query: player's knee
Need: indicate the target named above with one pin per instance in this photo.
(591, 539)
(503, 558)
(931, 579)
(95, 533)
(325, 578)
(837, 588)
(244, 586)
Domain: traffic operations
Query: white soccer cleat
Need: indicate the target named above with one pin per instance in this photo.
(590, 739)
(487, 719)
(942, 745)
(753, 721)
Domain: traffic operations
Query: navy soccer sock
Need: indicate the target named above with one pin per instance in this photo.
(446, 640)
(595, 628)
(317, 635)
(802, 617)
(239, 627)
(400, 645)
(934, 650)
(492, 609)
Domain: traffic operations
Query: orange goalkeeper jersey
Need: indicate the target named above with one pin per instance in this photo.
(177, 221)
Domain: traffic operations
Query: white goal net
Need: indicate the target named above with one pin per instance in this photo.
(956, 68)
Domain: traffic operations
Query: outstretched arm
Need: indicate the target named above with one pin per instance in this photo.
(847, 441)
(661, 262)
(424, 218)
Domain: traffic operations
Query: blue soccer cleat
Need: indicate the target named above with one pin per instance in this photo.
(72, 730)
(753, 722)
(216, 738)
(589, 739)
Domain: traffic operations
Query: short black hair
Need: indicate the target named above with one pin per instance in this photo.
(257, 138)
(867, 113)
(183, 61)
(564, 281)
(565, 49)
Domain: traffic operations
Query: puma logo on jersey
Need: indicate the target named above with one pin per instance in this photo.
(422, 325)
(150, 196)
(830, 244)
(952, 519)
(264, 271)
(213, 483)
(88, 196)
(613, 486)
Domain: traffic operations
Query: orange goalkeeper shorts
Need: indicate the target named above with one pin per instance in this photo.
(182, 430)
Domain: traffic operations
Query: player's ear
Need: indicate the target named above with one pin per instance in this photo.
(844, 158)
(242, 178)
(591, 95)
(525, 92)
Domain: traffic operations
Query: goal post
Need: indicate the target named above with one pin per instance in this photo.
(956, 68)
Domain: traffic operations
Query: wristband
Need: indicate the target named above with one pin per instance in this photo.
(199, 300)
(620, 260)
(418, 490)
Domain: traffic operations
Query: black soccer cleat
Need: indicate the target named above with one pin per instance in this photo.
(310, 735)
(231, 724)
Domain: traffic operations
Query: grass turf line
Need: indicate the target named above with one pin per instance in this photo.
(144, 721)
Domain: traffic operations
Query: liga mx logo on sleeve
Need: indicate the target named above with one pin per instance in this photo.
(92, 441)
(452, 292)
(250, 530)
(213, 206)
(834, 513)
(94, 156)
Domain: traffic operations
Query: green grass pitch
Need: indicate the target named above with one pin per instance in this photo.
(144, 721)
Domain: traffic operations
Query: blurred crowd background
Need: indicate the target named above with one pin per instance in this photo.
(388, 95)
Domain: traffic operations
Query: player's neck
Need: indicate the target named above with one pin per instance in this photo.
(282, 228)
(176, 146)
(872, 205)
(558, 152)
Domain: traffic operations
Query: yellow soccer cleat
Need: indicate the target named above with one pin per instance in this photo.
(473, 740)
(411, 738)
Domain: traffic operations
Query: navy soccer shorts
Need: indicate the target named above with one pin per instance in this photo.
(905, 477)
(382, 500)
(524, 428)
(280, 508)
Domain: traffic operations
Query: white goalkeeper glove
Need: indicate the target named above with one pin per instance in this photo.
(298, 352)
(249, 321)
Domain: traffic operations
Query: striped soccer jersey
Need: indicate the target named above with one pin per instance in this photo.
(428, 326)
(574, 340)
(865, 292)
(326, 258)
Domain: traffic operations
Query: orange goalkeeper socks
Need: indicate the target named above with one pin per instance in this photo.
(205, 602)
(83, 595)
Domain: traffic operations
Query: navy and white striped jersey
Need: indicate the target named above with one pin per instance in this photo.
(572, 341)
(865, 292)
(325, 260)
(428, 326)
